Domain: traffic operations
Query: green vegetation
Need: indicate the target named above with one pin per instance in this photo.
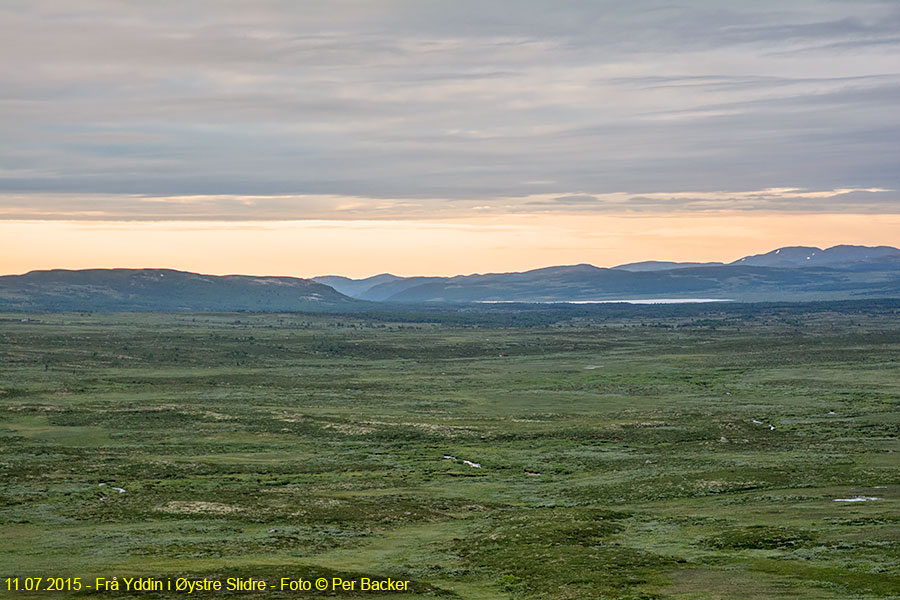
(685, 453)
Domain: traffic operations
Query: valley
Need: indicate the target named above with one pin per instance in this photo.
(583, 452)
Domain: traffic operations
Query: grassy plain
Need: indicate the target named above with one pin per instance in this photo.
(692, 457)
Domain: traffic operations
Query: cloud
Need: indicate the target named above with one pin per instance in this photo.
(425, 108)
(576, 200)
(316, 207)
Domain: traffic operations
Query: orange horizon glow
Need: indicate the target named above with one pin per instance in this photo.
(361, 248)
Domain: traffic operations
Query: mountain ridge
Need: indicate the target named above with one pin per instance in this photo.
(485, 286)
(803, 256)
(791, 273)
(164, 290)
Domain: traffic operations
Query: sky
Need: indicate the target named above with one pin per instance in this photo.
(442, 137)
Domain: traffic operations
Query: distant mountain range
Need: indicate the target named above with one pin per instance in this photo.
(836, 256)
(789, 273)
(789, 257)
(795, 273)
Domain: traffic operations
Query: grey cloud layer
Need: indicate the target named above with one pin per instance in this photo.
(430, 106)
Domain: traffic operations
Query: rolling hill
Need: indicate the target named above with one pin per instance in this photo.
(164, 290)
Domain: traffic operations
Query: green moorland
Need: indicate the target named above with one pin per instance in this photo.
(695, 456)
